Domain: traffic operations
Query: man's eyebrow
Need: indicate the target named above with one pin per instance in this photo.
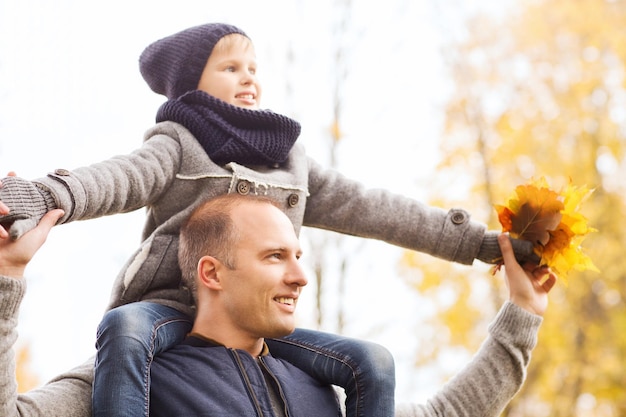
(276, 249)
(282, 249)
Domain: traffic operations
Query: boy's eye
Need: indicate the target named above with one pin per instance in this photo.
(230, 68)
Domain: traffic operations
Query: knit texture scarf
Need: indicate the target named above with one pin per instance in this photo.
(232, 134)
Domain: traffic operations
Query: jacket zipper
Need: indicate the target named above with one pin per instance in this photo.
(255, 401)
(277, 385)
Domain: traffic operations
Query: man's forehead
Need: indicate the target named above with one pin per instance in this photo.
(263, 218)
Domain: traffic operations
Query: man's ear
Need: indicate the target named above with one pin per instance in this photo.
(208, 268)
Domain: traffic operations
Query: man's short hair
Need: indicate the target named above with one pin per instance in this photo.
(210, 230)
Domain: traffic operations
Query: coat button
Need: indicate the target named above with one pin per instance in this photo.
(243, 187)
(458, 217)
(293, 200)
(62, 172)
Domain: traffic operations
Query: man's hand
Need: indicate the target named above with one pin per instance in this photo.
(4, 210)
(15, 254)
(528, 284)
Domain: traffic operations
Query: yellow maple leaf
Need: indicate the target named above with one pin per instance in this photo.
(531, 213)
(552, 222)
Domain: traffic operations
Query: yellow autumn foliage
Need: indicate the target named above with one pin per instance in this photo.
(546, 99)
(552, 221)
(26, 379)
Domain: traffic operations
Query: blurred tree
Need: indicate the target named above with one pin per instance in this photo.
(321, 241)
(26, 379)
(541, 92)
(331, 253)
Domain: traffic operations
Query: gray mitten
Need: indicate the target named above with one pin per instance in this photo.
(27, 204)
(490, 250)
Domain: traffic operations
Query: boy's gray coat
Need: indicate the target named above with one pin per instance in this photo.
(171, 173)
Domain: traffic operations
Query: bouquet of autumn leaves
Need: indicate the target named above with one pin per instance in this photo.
(552, 222)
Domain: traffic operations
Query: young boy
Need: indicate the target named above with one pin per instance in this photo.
(211, 138)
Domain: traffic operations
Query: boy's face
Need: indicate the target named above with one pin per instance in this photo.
(230, 74)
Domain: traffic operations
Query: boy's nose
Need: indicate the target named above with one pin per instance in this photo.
(248, 78)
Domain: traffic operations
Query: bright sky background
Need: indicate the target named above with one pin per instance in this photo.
(71, 94)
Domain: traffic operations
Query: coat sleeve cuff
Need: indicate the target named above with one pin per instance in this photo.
(516, 326)
(67, 191)
(12, 292)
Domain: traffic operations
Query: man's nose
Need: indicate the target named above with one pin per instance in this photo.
(296, 275)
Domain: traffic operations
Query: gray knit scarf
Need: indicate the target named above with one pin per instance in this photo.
(232, 134)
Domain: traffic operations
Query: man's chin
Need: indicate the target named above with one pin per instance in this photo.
(285, 331)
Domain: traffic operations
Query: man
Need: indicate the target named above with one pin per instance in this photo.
(243, 254)
(247, 292)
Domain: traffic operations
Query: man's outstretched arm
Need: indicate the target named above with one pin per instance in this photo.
(487, 384)
(68, 395)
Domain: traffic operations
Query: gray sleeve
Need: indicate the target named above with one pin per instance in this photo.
(487, 384)
(120, 184)
(68, 395)
(342, 205)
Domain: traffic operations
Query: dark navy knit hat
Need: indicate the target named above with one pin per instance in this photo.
(172, 66)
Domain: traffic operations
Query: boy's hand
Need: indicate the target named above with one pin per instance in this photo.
(16, 254)
(490, 252)
(26, 203)
(528, 284)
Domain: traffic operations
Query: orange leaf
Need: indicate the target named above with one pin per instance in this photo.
(504, 216)
(551, 221)
(531, 214)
